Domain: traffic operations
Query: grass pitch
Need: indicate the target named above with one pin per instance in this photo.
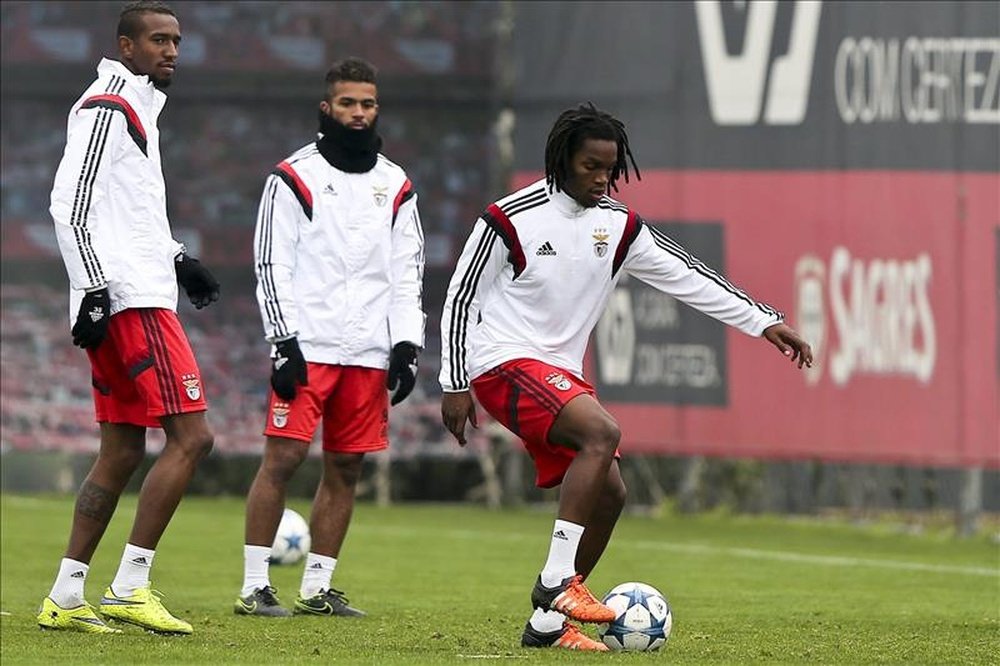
(450, 584)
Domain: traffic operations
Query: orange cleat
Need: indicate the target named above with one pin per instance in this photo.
(569, 637)
(572, 599)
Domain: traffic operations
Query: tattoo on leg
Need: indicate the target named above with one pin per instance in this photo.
(96, 502)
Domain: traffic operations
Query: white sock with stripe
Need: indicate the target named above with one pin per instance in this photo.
(67, 591)
(317, 574)
(562, 553)
(256, 568)
(133, 571)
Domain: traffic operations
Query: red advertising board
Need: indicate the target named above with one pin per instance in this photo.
(892, 276)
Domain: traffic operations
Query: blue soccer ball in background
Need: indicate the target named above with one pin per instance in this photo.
(644, 618)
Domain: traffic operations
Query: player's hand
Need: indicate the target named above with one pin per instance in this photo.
(456, 409)
(288, 369)
(790, 344)
(92, 320)
(201, 286)
(402, 371)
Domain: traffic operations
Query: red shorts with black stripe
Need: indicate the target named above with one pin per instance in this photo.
(526, 396)
(145, 369)
(351, 401)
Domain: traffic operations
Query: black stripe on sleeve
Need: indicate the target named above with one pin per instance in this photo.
(458, 325)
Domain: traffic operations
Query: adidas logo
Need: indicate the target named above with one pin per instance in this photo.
(96, 314)
(329, 189)
(546, 250)
(559, 534)
(140, 560)
(77, 574)
(316, 565)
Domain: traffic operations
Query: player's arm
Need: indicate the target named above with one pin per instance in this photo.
(276, 239)
(661, 262)
(478, 266)
(406, 315)
(82, 182)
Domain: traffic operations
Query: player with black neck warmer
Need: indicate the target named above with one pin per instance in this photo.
(354, 150)
(339, 259)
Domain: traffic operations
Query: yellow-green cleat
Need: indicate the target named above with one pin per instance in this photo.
(80, 618)
(143, 609)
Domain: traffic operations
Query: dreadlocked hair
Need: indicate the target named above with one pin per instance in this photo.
(568, 133)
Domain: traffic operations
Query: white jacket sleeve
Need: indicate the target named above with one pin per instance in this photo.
(82, 181)
(274, 253)
(661, 262)
(480, 264)
(406, 315)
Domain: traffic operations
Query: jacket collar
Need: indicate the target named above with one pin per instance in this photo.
(148, 94)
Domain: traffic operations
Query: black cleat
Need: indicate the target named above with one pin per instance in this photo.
(262, 601)
(569, 637)
(327, 602)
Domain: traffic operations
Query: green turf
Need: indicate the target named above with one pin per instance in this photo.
(450, 584)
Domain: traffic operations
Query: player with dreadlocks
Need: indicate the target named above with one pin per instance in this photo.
(529, 287)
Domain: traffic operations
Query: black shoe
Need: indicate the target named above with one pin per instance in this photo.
(262, 601)
(327, 602)
(571, 598)
(569, 637)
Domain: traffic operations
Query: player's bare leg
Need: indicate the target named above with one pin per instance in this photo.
(130, 597)
(602, 522)
(266, 499)
(332, 508)
(333, 504)
(189, 439)
(121, 452)
(265, 504)
(122, 449)
(586, 427)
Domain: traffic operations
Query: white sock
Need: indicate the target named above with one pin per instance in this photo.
(546, 621)
(133, 572)
(67, 591)
(317, 575)
(562, 553)
(256, 568)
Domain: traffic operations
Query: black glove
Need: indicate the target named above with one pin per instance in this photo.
(92, 320)
(402, 371)
(288, 369)
(201, 287)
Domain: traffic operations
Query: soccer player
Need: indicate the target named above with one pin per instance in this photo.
(529, 286)
(110, 214)
(339, 258)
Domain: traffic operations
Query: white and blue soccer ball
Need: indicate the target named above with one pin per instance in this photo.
(292, 541)
(644, 618)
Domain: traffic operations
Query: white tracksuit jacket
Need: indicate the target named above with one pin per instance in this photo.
(109, 201)
(538, 269)
(339, 259)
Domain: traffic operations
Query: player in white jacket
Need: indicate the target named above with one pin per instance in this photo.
(110, 214)
(529, 287)
(339, 258)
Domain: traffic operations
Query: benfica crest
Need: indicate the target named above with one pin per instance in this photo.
(192, 386)
(559, 380)
(380, 194)
(600, 242)
(279, 415)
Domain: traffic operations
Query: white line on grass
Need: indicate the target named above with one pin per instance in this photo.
(698, 549)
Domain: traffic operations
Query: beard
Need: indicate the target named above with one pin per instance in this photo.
(160, 84)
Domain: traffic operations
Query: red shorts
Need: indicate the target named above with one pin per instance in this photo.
(145, 369)
(526, 396)
(352, 401)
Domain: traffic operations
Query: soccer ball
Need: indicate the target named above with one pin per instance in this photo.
(644, 618)
(292, 541)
